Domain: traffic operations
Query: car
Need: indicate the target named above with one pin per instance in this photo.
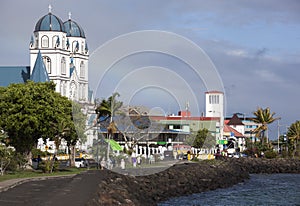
(91, 163)
(80, 162)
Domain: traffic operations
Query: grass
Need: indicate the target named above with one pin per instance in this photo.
(39, 173)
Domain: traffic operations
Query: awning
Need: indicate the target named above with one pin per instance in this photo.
(114, 145)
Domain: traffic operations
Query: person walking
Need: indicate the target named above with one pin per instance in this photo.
(122, 164)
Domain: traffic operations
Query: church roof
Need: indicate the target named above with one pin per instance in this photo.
(13, 74)
(39, 72)
(50, 22)
(73, 29)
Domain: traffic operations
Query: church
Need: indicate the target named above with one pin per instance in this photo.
(58, 53)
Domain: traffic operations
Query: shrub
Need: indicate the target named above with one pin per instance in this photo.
(45, 166)
(270, 154)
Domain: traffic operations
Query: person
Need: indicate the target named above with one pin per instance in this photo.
(134, 161)
(109, 164)
(151, 159)
(122, 164)
(102, 163)
(138, 159)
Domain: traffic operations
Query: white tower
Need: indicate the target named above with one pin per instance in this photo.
(214, 107)
(65, 55)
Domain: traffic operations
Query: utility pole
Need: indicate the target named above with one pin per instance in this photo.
(278, 133)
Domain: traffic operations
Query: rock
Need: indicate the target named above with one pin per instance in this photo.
(184, 179)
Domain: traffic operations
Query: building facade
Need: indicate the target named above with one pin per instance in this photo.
(65, 55)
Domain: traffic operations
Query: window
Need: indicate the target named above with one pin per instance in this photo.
(75, 46)
(214, 99)
(45, 41)
(55, 41)
(47, 62)
(63, 65)
(82, 70)
(63, 43)
(176, 126)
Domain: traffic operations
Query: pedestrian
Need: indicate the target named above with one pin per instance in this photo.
(138, 159)
(102, 163)
(122, 164)
(134, 161)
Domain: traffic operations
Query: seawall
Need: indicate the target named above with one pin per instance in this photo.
(183, 179)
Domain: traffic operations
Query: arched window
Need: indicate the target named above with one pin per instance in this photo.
(82, 69)
(55, 41)
(75, 46)
(45, 41)
(63, 42)
(63, 65)
(47, 62)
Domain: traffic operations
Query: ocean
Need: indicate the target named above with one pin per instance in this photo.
(260, 189)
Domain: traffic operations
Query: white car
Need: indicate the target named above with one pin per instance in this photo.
(80, 162)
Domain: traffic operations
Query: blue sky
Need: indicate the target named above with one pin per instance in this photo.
(254, 46)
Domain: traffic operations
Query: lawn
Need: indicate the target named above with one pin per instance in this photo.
(39, 173)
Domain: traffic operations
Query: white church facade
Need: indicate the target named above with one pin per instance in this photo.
(65, 55)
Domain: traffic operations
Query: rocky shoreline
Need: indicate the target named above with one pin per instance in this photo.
(184, 179)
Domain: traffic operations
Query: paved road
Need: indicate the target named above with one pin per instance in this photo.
(77, 190)
(71, 190)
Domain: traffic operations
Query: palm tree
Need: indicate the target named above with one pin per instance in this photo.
(294, 135)
(107, 109)
(263, 117)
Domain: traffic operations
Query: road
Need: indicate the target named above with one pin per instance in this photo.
(77, 190)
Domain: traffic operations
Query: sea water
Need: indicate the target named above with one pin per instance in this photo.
(260, 189)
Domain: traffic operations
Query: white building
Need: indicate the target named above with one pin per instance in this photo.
(214, 107)
(65, 54)
(61, 48)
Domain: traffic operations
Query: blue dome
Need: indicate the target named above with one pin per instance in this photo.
(50, 22)
(73, 29)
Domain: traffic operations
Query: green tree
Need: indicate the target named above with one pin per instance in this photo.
(28, 111)
(107, 109)
(204, 139)
(294, 136)
(263, 117)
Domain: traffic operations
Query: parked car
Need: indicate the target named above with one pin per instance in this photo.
(91, 163)
(80, 162)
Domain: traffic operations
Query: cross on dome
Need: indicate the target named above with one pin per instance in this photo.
(50, 8)
(70, 15)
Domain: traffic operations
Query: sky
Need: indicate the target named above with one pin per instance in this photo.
(163, 54)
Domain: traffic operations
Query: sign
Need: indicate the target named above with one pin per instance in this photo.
(222, 141)
(161, 143)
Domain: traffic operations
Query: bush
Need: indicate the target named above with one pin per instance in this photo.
(45, 166)
(270, 154)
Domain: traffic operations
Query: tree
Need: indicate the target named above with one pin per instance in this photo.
(263, 117)
(28, 111)
(294, 136)
(204, 139)
(107, 109)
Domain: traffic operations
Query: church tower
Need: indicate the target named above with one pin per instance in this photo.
(65, 54)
